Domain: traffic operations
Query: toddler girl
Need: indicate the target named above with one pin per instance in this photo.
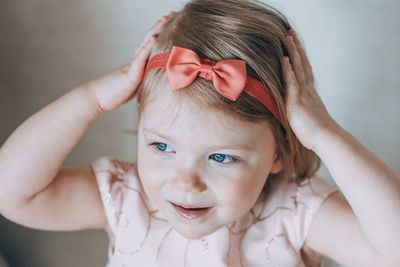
(231, 133)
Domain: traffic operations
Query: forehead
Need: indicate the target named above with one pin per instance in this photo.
(175, 115)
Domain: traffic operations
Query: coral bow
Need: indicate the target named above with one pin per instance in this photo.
(228, 76)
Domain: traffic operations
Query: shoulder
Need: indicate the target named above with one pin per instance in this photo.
(278, 224)
(306, 195)
(111, 165)
(109, 171)
(297, 204)
(118, 182)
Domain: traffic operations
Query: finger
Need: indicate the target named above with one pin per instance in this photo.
(153, 32)
(136, 70)
(149, 35)
(139, 48)
(157, 27)
(291, 84)
(303, 55)
(295, 61)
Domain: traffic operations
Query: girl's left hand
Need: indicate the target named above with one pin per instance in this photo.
(307, 115)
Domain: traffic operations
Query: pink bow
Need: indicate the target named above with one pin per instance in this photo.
(228, 76)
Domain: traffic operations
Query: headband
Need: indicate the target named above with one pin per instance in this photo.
(229, 76)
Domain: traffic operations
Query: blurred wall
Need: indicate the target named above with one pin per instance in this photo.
(49, 47)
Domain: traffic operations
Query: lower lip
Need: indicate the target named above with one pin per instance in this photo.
(191, 213)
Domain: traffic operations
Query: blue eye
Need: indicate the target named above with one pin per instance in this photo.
(159, 146)
(220, 158)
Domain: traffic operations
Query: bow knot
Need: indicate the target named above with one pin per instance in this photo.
(228, 76)
(206, 71)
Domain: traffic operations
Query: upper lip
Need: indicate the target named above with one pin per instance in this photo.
(189, 206)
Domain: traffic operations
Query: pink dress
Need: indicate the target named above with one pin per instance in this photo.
(271, 234)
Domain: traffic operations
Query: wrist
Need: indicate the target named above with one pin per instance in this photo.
(327, 135)
(90, 101)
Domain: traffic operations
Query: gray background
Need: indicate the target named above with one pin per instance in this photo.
(49, 47)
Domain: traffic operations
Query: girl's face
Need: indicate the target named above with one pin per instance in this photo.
(189, 157)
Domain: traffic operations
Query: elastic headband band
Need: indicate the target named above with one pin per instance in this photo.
(229, 76)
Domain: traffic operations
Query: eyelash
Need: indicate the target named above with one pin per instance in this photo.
(233, 158)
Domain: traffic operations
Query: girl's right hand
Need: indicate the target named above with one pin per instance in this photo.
(119, 86)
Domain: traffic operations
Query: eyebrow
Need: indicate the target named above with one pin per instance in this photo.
(230, 146)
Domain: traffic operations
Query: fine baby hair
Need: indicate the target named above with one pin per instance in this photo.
(249, 30)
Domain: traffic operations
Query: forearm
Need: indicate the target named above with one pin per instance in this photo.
(371, 187)
(32, 156)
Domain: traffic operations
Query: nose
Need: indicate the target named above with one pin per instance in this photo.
(188, 182)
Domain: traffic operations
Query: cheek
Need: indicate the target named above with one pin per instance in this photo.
(149, 177)
(240, 196)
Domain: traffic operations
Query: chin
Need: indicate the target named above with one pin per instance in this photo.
(193, 233)
(195, 230)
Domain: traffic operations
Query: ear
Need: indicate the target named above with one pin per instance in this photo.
(277, 165)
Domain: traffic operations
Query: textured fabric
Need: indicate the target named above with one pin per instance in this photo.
(272, 234)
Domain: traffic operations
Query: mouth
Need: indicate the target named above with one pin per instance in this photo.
(191, 212)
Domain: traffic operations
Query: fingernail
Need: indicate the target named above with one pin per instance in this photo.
(169, 15)
(152, 38)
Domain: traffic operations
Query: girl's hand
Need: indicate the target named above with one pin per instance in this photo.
(119, 86)
(307, 115)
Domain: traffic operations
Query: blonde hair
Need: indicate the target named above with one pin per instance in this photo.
(236, 29)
